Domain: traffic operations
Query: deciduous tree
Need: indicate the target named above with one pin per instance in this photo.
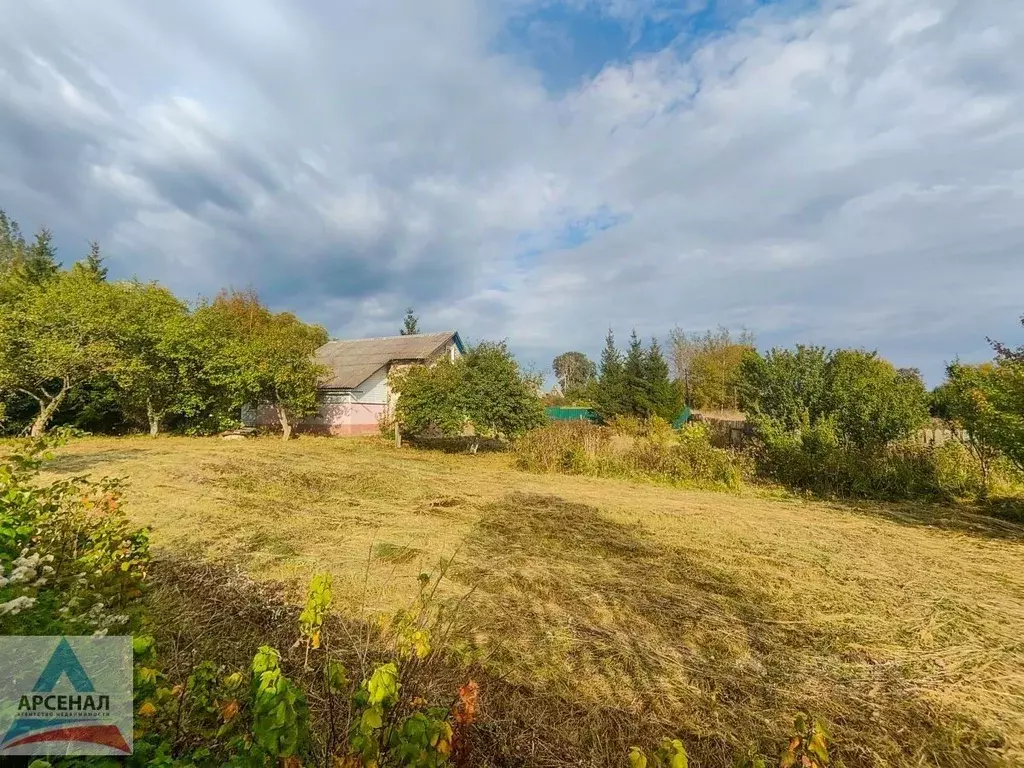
(708, 365)
(258, 357)
(58, 335)
(484, 388)
(862, 396)
(153, 336)
(965, 401)
(988, 400)
(574, 371)
(501, 401)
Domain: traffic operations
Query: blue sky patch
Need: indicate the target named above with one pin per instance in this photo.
(569, 44)
(574, 233)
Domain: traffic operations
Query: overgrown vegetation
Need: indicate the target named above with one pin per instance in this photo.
(630, 447)
(843, 422)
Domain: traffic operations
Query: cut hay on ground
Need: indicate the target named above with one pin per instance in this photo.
(614, 612)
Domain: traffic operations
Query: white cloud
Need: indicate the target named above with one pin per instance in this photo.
(851, 173)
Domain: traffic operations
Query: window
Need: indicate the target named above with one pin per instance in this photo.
(333, 397)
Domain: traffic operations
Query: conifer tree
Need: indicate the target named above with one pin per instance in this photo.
(609, 384)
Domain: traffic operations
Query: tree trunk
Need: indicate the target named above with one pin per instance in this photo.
(154, 419)
(47, 409)
(286, 428)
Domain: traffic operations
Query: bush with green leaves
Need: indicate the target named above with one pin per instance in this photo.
(864, 400)
(837, 423)
(987, 401)
(484, 390)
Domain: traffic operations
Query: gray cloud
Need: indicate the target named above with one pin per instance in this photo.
(847, 174)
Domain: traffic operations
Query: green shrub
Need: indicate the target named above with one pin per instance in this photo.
(814, 459)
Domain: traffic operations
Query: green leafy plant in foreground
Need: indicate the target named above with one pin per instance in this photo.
(807, 748)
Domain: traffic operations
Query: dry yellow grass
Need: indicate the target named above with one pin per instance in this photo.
(716, 616)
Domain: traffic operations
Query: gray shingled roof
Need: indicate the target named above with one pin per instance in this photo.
(354, 361)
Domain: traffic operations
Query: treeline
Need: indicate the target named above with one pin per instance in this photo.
(80, 350)
(635, 383)
(837, 422)
(700, 370)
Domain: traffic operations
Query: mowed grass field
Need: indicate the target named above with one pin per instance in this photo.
(611, 611)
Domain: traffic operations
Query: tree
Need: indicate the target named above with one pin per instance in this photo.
(1007, 354)
(12, 244)
(665, 397)
(708, 365)
(93, 263)
(637, 400)
(59, 335)
(24, 265)
(153, 337)
(40, 263)
(574, 371)
(988, 400)
(288, 374)
(411, 324)
(259, 357)
(784, 386)
(484, 388)
(431, 398)
(964, 405)
(500, 400)
(871, 402)
(860, 395)
(610, 390)
(12, 255)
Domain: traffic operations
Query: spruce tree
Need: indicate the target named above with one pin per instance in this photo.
(40, 263)
(94, 262)
(666, 400)
(635, 385)
(609, 384)
(411, 324)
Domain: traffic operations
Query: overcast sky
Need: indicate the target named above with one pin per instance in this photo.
(846, 173)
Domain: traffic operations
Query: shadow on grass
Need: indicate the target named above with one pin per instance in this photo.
(993, 519)
(589, 609)
(85, 462)
(458, 444)
(600, 637)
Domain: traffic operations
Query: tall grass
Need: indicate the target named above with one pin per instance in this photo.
(630, 448)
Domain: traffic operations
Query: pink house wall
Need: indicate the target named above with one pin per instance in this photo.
(339, 419)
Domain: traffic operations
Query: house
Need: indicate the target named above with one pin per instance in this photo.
(355, 396)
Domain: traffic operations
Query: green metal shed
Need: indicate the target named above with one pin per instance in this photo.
(570, 413)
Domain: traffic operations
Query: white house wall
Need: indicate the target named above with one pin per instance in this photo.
(373, 391)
